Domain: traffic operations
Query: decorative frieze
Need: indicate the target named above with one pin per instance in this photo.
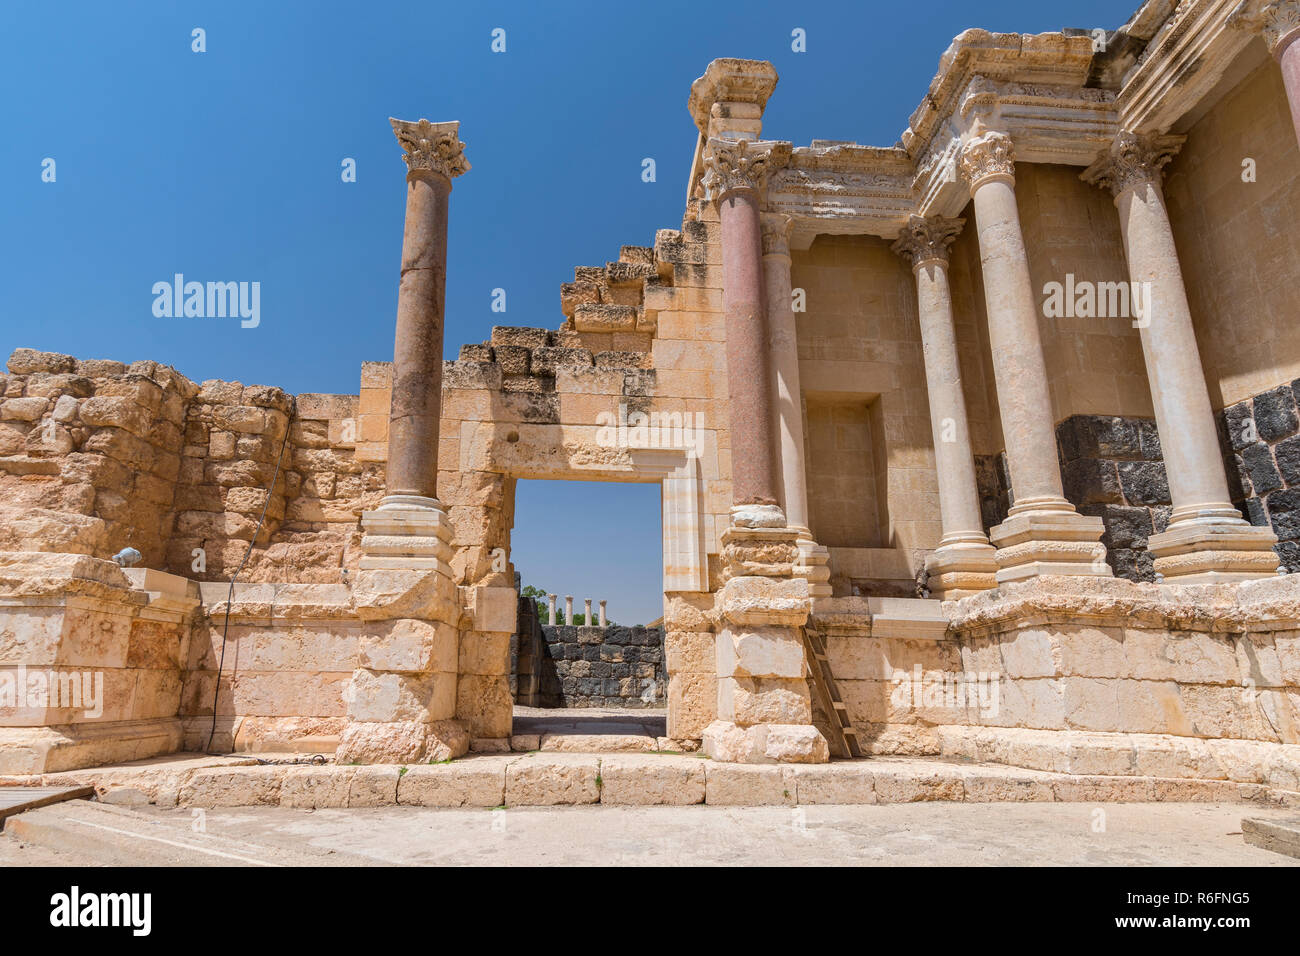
(432, 146)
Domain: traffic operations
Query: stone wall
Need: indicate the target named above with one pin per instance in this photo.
(1237, 242)
(97, 455)
(1261, 439)
(612, 666)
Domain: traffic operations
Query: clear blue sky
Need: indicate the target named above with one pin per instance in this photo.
(225, 165)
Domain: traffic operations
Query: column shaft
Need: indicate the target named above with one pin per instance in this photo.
(1288, 58)
(749, 393)
(783, 359)
(417, 353)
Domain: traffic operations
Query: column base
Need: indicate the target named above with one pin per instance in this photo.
(406, 532)
(402, 742)
(813, 564)
(960, 570)
(765, 743)
(1214, 553)
(758, 543)
(1049, 540)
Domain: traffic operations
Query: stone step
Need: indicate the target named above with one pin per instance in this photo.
(114, 836)
(1279, 836)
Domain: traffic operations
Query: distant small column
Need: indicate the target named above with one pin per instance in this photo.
(550, 609)
(602, 614)
(586, 612)
(568, 609)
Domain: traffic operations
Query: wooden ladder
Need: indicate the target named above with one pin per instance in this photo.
(844, 739)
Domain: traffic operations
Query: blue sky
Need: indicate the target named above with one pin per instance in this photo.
(225, 165)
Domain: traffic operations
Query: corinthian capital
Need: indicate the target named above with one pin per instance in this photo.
(776, 233)
(987, 155)
(1133, 160)
(432, 146)
(925, 240)
(1278, 21)
(731, 164)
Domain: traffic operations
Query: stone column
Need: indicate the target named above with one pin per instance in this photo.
(1207, 539)
(736, 171)
(568, 610)
(783, 361)
(409, 529)
(964, 562)
(1043, 534)
(586, 612)
(602, 614)
(550, 609)
(402, 702)
(1278, 21)
(764, 707)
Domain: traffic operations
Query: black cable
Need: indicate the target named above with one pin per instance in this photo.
(230, 596)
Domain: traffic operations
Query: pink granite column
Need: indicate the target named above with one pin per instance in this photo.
(736, 171)
(1279, 23)
(434, 155)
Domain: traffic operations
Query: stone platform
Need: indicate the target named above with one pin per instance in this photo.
(627, 779)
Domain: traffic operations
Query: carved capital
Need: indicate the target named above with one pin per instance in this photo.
(925, 240)
(432, 146)
(986, 156)
(1277, 21)
(732, 164)
(776, 233)
(1134, 160)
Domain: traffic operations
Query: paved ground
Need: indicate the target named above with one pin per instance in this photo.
(590, 720)
(919, 834)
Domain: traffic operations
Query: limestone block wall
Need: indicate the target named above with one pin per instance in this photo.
(870, 463)
(1237, 243)
(611, 666)
(91, 661)
(90, 454)
(96, 455)
(1114, 672)
(290, 654)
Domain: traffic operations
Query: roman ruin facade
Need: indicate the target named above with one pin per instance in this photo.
(1005, 410)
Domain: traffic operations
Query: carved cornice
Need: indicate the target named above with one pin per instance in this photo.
(1278, 21)
(732, 164)
(927, 240)
(729, 80)
(991, 154)
(776, 233)
(1133, 161)
(431, 146)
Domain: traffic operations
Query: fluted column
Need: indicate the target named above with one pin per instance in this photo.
(1207, 538)
(783, 363)
(409, 528)
(1278, 21)
(964, 562)
(1043, 534)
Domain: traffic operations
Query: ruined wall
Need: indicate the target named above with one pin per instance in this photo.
(96, 455)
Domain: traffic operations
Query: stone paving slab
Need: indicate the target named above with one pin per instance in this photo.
(549, 778)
